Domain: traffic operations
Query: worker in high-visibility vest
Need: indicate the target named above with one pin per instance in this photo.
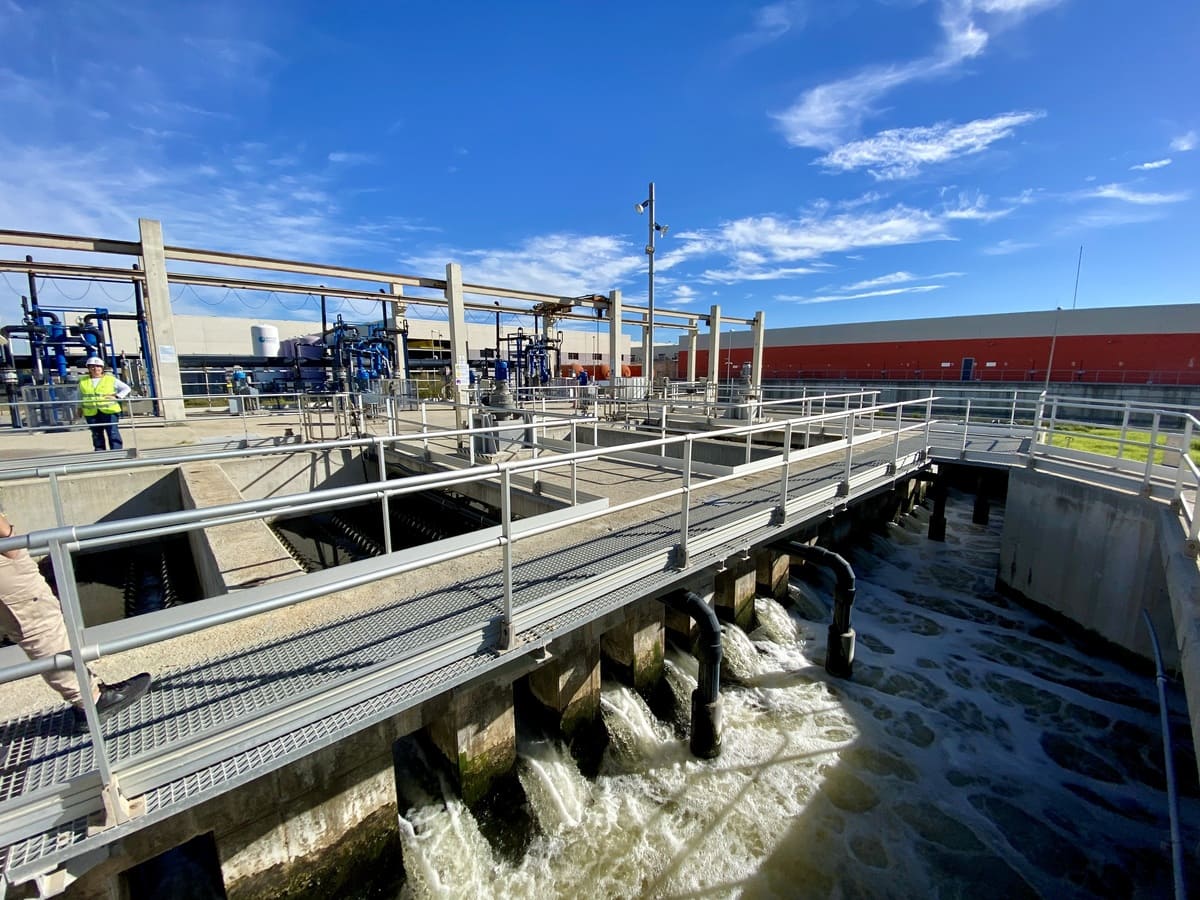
(99, 400)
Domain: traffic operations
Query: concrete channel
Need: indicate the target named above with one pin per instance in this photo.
(266, 748)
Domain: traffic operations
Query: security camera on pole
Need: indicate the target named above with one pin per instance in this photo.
(648, 342)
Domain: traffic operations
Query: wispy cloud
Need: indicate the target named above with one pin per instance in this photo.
(827, 114)
(1185, 142)
(902, 152)
(897, 278)
(349, 158)
(1007, 246)
(973, 210)
(771, 22)
(835, 298)
(1147, 166)
(1141, 198)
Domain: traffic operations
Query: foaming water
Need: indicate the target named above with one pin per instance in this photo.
(975, 752)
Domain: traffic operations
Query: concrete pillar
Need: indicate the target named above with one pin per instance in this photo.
(759, 328)
(478, 735)
(569, 684)
(399, 311)
(937, 522)
(714, 352)
(771, 572)
(614, 337)
(160, 323)
(638, 645)
(456, 311)
(982, 507)
(734, 588)
(693, 335)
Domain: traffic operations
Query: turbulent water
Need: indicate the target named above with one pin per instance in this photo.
(975, 752)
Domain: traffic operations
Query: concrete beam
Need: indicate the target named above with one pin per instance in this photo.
(734, 587)
(234, 556)
(161, 322)
(771, 572)
(478, 735)
(569, 684)
(637, 647)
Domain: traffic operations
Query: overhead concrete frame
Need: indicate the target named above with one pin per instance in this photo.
(714, 352)
(160, 323)
(456, 312)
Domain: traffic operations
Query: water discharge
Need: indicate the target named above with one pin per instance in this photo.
(975, 752)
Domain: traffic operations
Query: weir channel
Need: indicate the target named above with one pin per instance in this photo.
(280, 693)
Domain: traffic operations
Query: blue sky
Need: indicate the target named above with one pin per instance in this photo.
(823, 161)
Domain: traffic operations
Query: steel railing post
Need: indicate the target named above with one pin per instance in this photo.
(1124, 432)
(1012, 415)
(574, 465)
(68, 598)
(507, 637)
(847, 425)
(928, 422)
(844, 489)
(60, 517)
(962, 451)
(785, 470)
(1184, 449)
(424, 428)
(1150, 452)
(896, 442)
(681, 550)
(384, 503)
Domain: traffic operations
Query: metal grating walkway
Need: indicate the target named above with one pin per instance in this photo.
(286, 698)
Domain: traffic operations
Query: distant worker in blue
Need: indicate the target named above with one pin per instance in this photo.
(241, 382)
(99, 400)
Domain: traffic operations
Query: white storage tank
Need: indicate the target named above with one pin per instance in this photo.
(264, 340)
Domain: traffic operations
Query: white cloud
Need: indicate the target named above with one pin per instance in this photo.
(348, 158)
(563, 264)
(1185, 142)
(1147, 166)
(827, 114)
(975, 210)
(771, 22)
(834, 298)
(897, 278)
(1121, 192)
(1007, 246)
(902, 152)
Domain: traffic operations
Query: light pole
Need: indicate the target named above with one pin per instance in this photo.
(654, 228)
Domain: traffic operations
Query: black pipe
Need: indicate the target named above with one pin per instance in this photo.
(937, 522)
(839, 651)
(706, 699)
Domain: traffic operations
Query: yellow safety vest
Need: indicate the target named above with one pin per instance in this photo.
(92, 396)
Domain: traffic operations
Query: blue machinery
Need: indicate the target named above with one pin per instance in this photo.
(51, 342)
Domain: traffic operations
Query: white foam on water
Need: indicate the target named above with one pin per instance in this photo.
(972, 753)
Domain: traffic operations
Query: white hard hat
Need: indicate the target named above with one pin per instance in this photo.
(94, 361)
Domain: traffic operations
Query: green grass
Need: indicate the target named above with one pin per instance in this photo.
(1105, 441)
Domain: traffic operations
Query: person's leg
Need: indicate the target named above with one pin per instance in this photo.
(37, 626)
(114, 433)
(98, 425)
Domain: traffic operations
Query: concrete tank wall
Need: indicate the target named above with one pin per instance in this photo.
(1089, 553)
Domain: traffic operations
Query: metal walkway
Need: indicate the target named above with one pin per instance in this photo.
(206, 729)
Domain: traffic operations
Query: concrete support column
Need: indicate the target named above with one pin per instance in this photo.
(693, 336)
(979, 513)
(614, 338)
(714, 352)
(569, 684)
(637, 646)
(160, 324)
(478, 735)
(760, 333)
(771, 572)
(734, 588)
(937, 522)
(456, 310)
(399, 311)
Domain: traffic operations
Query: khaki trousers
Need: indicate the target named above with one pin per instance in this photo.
(31, 616)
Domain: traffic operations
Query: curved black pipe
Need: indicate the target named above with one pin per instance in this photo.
(706, 699)
(839, 653)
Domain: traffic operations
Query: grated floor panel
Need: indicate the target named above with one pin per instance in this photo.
(42, 750)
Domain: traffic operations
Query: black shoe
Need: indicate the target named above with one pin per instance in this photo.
(116, 697)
